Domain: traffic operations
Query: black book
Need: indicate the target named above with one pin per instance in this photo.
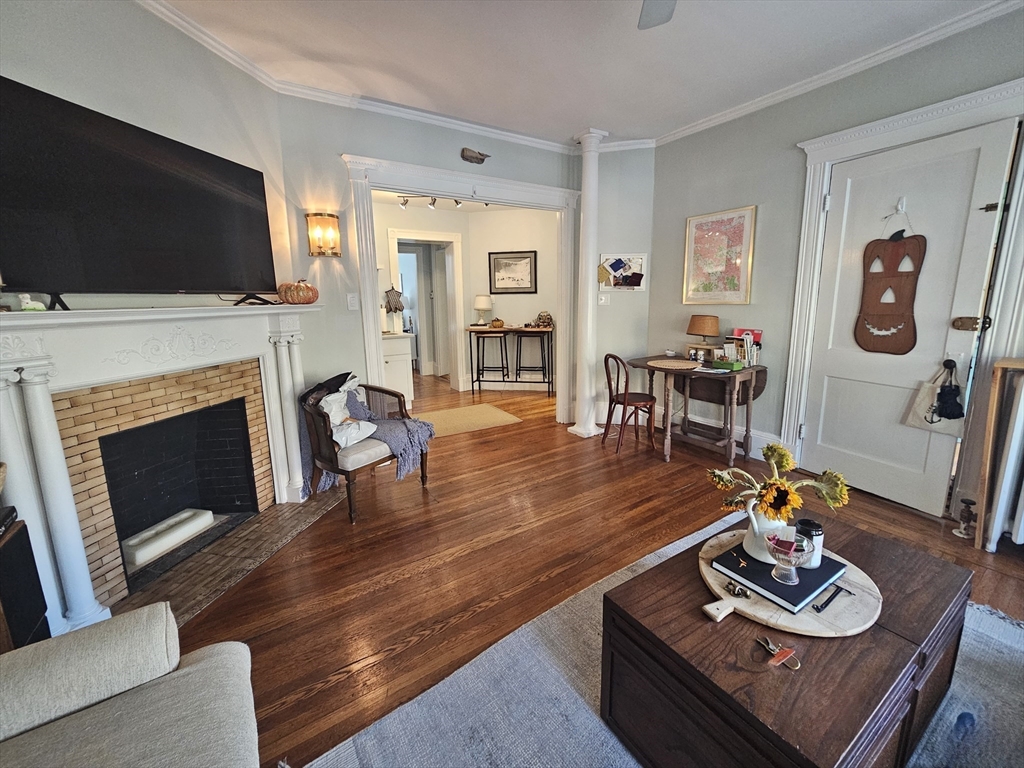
(738, 565)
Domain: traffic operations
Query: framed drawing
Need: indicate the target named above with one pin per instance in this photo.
(513, 271)
(622, 272)
(718, 258)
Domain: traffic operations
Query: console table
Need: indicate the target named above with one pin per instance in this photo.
(730, 388)
(680, 690)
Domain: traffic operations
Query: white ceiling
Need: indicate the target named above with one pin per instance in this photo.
(551, 68)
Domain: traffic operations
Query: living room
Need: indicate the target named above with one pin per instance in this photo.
(561, 513)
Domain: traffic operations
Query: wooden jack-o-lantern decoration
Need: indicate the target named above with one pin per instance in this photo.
(891, 270)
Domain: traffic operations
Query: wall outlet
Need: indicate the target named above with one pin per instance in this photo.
(604, 299)
(353, 302)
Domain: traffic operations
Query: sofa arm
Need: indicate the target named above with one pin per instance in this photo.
(46, 681)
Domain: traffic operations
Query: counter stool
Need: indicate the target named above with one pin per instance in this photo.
(481, 352)
(526, 333)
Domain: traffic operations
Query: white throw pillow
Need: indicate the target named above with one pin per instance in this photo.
(351, 432)
(336, 408)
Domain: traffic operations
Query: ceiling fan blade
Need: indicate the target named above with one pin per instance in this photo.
(656, 12)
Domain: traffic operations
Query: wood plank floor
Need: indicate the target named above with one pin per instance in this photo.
(346, 623)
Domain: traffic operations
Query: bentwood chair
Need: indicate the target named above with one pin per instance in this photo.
(632, 403)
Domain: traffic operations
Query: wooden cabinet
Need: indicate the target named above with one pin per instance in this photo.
(397, 349)
(22, 604)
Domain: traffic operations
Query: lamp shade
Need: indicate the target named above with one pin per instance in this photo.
(482, 303)
(324, 234)
(703, 325)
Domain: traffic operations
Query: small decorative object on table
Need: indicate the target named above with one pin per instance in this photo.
(497, 323)
(788, 556)
(770, 504)
(544, 319)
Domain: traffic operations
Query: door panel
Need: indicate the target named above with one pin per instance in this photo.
(857, 399)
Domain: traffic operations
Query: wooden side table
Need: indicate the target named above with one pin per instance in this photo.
(730, 388)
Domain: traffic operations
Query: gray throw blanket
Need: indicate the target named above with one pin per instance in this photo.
(406, 438)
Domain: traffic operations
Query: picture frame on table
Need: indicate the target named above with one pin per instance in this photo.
(513, 271)
(622, 272)
(719, 257)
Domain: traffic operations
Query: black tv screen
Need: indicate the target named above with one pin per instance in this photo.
(90, 204)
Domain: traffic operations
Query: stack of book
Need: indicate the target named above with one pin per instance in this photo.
(757, 576)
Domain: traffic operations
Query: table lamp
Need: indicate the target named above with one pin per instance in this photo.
(703, 325)
(481, 304)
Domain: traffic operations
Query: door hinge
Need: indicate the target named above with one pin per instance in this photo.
(826, 203)
(801, 432)
(972, 323)
(990, 208)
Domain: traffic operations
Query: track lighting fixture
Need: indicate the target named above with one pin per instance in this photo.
(405, 202)
(432, 203)
(458, 203)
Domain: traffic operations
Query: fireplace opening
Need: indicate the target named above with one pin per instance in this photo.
(177, 485)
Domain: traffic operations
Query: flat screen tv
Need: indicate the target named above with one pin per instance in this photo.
(90, 204)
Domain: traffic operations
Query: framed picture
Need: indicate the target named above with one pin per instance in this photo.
(718, 258)
(513, 271)
(622, 272)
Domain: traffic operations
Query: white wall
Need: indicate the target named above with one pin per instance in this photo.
(754, 160)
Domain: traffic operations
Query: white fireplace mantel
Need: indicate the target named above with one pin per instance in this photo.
(43, 353)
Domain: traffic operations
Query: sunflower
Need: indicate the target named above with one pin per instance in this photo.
(777, 499)
(778, 457)
(734, 504)
(831, 488)
(723, 481)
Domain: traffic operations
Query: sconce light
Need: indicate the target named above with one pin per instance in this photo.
(324, 234)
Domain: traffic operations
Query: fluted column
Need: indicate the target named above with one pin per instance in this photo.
(289, 410)
(586, 331)
(59, 500)
(21, 491)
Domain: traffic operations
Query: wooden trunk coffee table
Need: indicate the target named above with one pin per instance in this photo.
(681, 690)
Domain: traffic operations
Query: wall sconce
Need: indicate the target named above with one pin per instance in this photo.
(324, 234)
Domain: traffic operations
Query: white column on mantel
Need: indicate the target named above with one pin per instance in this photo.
(289, 411)
(61, 515)
(21, 491)
(586, 317)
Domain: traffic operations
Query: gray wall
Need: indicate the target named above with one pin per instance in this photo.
(754, 160)
(122, 60)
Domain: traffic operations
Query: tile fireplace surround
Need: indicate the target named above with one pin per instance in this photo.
(68, 378)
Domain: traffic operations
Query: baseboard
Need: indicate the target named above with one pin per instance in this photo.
(536, 386)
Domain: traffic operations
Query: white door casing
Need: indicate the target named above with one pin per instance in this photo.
(439, 302)
(856, 400)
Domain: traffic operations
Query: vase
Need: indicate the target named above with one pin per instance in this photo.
(753, 540)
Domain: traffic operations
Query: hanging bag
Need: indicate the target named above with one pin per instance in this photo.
(932, 400)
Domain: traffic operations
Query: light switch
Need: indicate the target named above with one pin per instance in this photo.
(604, 299)
(353, 302)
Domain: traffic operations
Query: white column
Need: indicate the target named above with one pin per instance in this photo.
(289, 410)
(361, 238)
(58, 498)
(586, 332)
(21, 491)
(295, 362)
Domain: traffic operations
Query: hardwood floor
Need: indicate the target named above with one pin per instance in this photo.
(347, 622)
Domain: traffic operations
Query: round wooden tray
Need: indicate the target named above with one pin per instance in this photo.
(847, 615)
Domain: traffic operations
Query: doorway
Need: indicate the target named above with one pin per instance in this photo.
(424, 284)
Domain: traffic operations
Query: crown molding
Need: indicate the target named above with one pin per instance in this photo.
(180, 21)
(939, 32)
(624, 146)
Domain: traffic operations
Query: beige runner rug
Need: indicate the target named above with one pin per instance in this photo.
(469, 418)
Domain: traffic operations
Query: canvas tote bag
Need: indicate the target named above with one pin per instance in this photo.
(922, 412)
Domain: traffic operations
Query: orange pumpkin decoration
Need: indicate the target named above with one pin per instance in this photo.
(297, 293)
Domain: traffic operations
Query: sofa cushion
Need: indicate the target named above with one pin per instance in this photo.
(201, 714)
(47, 680)
(362, 453)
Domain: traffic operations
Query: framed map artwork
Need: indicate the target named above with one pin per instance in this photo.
(718, 258)
(513, 271)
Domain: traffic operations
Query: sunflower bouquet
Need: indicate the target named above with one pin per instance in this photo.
(777, 497)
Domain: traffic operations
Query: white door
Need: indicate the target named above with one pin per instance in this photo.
(857, 399)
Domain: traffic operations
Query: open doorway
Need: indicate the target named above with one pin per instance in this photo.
(424, 284)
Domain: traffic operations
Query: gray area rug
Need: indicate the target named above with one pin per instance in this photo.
(533, 698)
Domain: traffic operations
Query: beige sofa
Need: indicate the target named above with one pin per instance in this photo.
(117, 694)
